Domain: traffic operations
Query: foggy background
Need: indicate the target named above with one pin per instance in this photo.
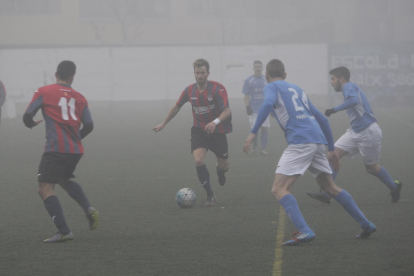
(144, 49)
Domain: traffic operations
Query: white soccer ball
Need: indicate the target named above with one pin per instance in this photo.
(185, 198)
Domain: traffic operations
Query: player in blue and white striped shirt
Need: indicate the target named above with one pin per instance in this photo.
(307, 132)
(363, 137)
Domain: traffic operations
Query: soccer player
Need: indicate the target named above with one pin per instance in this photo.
(364, 136)
(307, 132)
(212, 121)
(2, 96)
(253, 98)
(64, 110)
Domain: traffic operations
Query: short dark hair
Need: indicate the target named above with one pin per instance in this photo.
(275, 68)
(341, 71)
(66, 69)
(200, 63)
(257, 62)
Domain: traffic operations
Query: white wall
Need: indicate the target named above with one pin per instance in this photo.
(157, 73)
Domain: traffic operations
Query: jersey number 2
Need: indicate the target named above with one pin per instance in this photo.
(295, 97)
(63, 103)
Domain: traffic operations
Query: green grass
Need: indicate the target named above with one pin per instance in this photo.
(131, 175)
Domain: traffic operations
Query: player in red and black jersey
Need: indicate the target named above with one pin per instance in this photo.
(212, 121)
(64, 111)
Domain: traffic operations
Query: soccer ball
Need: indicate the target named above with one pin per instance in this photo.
(185, 198)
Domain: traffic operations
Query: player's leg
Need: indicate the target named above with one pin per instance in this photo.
(370, 148)
(263, 139)
(202, 171)
(199, 147)
(252, 120)
(50, 170)
(55, 210)
(344, 146)
(327, 184)
(294, 162)
(218, 144)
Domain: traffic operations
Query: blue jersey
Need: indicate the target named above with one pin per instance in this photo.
(359, 110)
(295, 114)
(253, 86)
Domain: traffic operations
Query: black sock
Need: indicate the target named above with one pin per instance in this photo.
(55, 211)
(76, 192)
(204, 177)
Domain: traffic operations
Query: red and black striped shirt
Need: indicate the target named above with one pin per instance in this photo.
(207, 105)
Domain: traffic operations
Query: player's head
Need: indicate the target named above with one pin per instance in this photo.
(339, 76)
(275, 69)
(66, 71)
(201, 71)
(257, 67)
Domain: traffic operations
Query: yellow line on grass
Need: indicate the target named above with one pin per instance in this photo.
(277, 265)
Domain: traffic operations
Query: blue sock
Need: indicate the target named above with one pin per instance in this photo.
(263, 138)
(291, 207)
(386, 179)
(76, 192)
(351, 208)
(55, 211)
(204, 177)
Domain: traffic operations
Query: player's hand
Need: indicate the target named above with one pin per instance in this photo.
(36, 122)
(333, 158)
(249, 110)
(158, 128)
(248, 143)
(210, 127)
(329, 112)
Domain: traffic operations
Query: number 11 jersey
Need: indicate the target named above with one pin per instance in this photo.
(64, 110)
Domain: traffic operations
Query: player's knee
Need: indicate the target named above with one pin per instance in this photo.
(373, 169)
(276, 191)
(199, 162)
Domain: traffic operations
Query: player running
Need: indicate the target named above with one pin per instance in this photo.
(307, 132)
(212, 121)
(363, 137)
(64, 110)
(253, 99)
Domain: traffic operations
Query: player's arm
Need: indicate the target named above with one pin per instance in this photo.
(87, 122)
(171, 114)
(246, 92)
(32, 109)
(264, 111)
(2, 94)
(327, 131)
(351, 99)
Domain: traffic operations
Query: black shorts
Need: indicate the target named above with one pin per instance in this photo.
(55, 166)
(216, 142)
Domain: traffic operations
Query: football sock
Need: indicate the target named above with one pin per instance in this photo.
(386, 179)
(352, 209)
(204, 177)
(263, 138)
(55, 211)
(76, 192)
(291, 207)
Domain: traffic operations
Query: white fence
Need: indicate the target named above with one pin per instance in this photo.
(157, 73)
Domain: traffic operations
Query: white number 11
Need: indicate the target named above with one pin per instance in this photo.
(63, 103)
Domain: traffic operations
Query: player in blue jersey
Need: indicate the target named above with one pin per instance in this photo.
(307, 132)
(363, 137)
(2, 96)
(253, 98)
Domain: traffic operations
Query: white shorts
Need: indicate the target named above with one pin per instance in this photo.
(366, 142)
(296, 159)
(252, 120)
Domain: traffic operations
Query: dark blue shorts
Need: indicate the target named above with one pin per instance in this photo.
(55, 166)
(216, 142)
